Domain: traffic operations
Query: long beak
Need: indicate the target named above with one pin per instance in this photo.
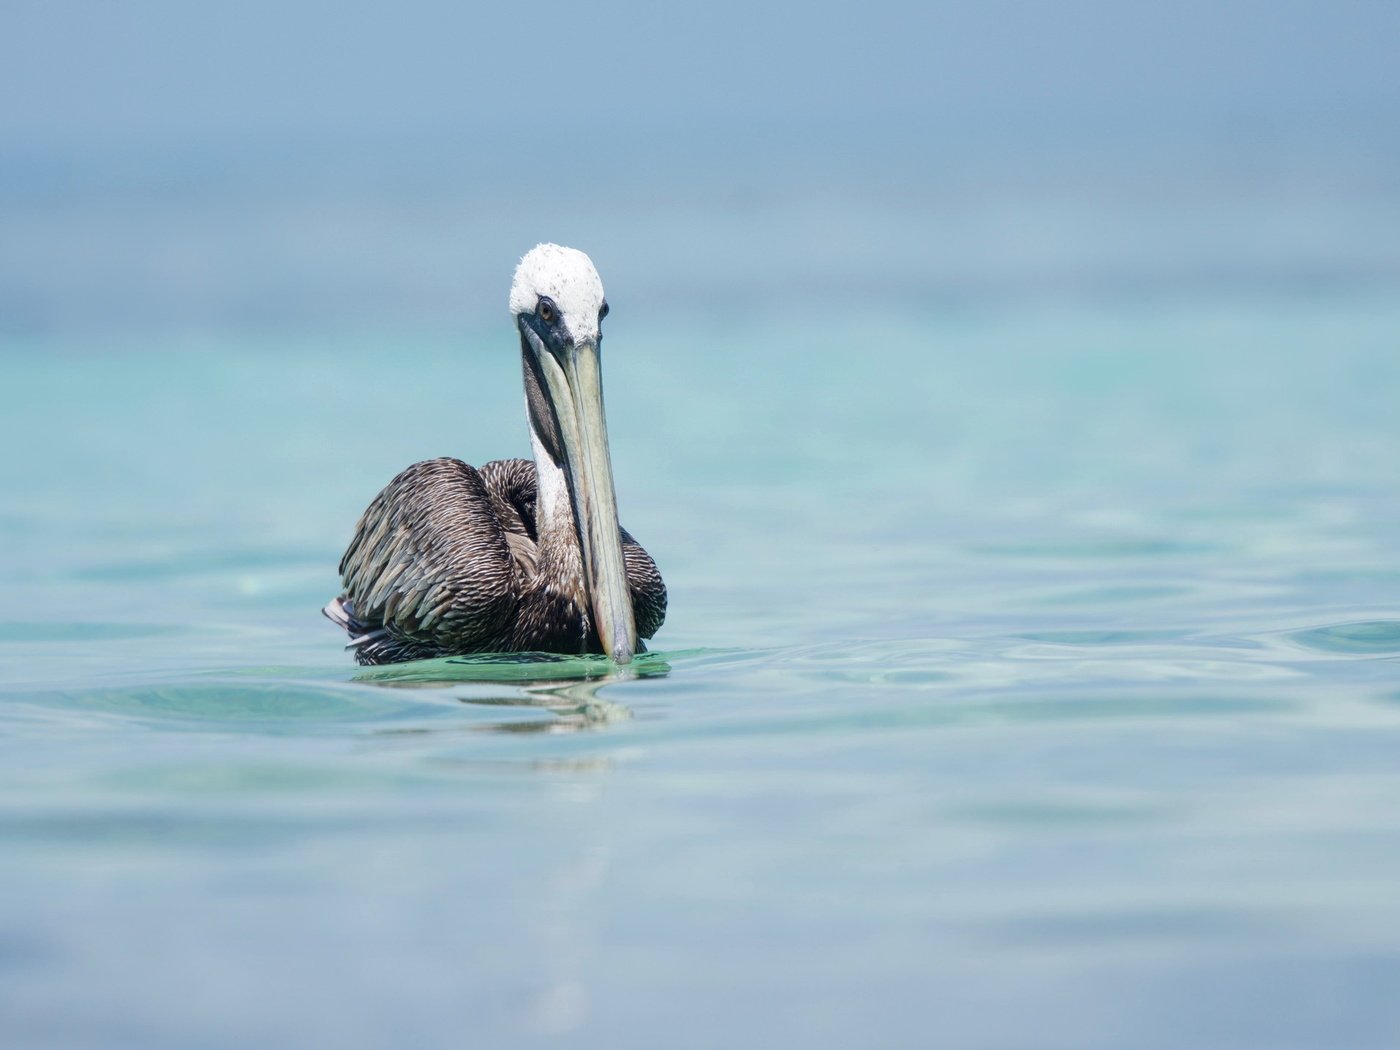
(575, 383)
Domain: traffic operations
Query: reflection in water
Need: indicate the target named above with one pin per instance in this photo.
(564, 928)
(565, 686)
(575, 706)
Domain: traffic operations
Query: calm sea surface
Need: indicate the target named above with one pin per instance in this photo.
(1032, 679)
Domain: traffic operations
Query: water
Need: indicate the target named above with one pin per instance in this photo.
(1030, 678)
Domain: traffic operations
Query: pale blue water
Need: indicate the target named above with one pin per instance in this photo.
(1032, 678)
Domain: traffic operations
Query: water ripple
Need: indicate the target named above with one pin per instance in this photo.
(253, 705)
(1364, 637)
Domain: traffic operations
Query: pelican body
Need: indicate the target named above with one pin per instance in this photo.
(515, 556)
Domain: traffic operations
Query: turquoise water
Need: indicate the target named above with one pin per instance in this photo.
(1032, 678)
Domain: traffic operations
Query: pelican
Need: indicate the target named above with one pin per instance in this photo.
(514, 556)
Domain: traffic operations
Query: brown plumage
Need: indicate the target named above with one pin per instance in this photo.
(448, 561)
(515, 556)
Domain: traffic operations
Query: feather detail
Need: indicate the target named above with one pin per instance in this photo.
(447, 561)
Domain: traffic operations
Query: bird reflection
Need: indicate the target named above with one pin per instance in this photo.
(564, 897)
(575, 706)
(565, 686)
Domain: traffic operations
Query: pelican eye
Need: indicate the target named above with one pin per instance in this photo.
(546, 310)
(603, 311)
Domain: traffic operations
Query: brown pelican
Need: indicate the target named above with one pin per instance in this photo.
(514, 556)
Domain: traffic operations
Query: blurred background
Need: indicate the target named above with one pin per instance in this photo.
(166, 166)
(1007, 390)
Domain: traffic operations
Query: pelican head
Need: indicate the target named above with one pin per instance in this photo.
(558, 305)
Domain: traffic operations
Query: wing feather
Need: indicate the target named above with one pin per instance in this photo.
(444, 557)
(429, 562)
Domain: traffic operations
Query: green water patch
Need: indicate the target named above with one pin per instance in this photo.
(261, 706)
(1364, 637)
